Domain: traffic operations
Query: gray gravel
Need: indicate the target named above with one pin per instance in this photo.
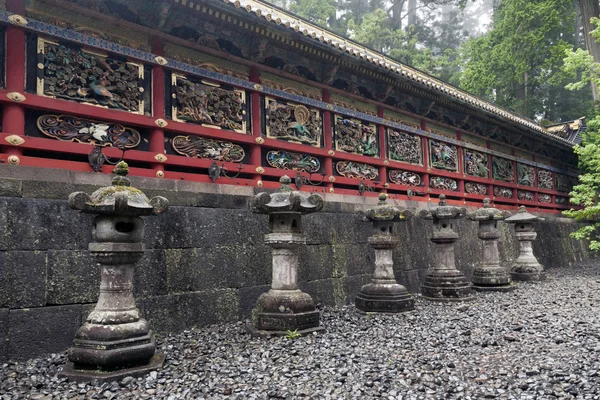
(539, 342)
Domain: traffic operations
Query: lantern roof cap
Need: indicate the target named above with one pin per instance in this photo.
(119, 199)
(285, 199)
(487, 212)
(386, 212)
(443, 211)
(523, 216)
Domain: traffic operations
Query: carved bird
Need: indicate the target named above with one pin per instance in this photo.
(100, 90)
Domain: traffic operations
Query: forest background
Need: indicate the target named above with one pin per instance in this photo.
(539, 58)
(520, 54)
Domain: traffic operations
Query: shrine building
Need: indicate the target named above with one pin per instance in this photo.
(241, 93)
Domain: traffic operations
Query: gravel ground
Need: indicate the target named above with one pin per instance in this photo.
(538, 342)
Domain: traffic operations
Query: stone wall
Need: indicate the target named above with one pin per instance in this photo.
(205, 260)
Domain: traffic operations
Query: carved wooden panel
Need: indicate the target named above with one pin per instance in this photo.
(443, 155)
(355, 136)
(476, 163)
(503, 169)
(405, 147)
(83, 76)
(208, 103)
(293, 122)
(525, 174)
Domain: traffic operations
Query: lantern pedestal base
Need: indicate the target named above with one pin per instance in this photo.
(503, 288)
(384, 298)
(280, 311)
(446, 286)
(528, 276)
(74, 374)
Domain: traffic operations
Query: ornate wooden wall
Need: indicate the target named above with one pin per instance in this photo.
(175, 109)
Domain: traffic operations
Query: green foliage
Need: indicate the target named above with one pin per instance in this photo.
(518, 63)
(293, 334)
(579, 64)
(320, 12)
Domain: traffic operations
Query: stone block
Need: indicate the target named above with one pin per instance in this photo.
(248, 298)
(3, 335)
(330, 228)
(11, 188)
(4, 236)
(22, 279)
(185, 227)
(316, 262)
(354, 284)
(73, 277)
(39, 224)
(38, 331)
(174, 313)
(150, 277)
(197, 269)
(410, 280)
(349, 259)
(254, 265)
(38, 189)
(322, 291)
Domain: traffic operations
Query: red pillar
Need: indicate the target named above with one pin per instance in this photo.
(157, 135)
(461, 168)
(515, 195)
(255, 149)
(328, 140)
(490, 171)
(382, 149)
(13, 114)
(425, 163)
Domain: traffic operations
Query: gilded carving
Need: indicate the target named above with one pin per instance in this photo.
(443, 155)
(405, 177)
(544, 179)
(544, 198)
(525, 195)
(209, 104)
(442, 183)
(563, 184)
(503, 192)
(561, 201)
(86, 77)
(15, 140)
(16, 97)
(282, 159)
(351, 169)
(405, 147)
(525, 174)
(74, 129)
(476, 163)
(353, 136)
(200, 147)
(503, 169)
(476, 188)
(293, 122)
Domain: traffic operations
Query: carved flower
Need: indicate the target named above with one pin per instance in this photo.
(98, 131)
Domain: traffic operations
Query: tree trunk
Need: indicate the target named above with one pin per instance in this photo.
(412, 12)
(589, 9)
(397, 14)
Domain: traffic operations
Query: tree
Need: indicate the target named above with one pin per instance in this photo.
(580, 63)
(590, 9)
(517, 64)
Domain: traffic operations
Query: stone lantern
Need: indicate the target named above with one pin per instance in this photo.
(443, 281)
(115, 341)
(384, 294)
(285, 307)
(526, 266)
(489, 275)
